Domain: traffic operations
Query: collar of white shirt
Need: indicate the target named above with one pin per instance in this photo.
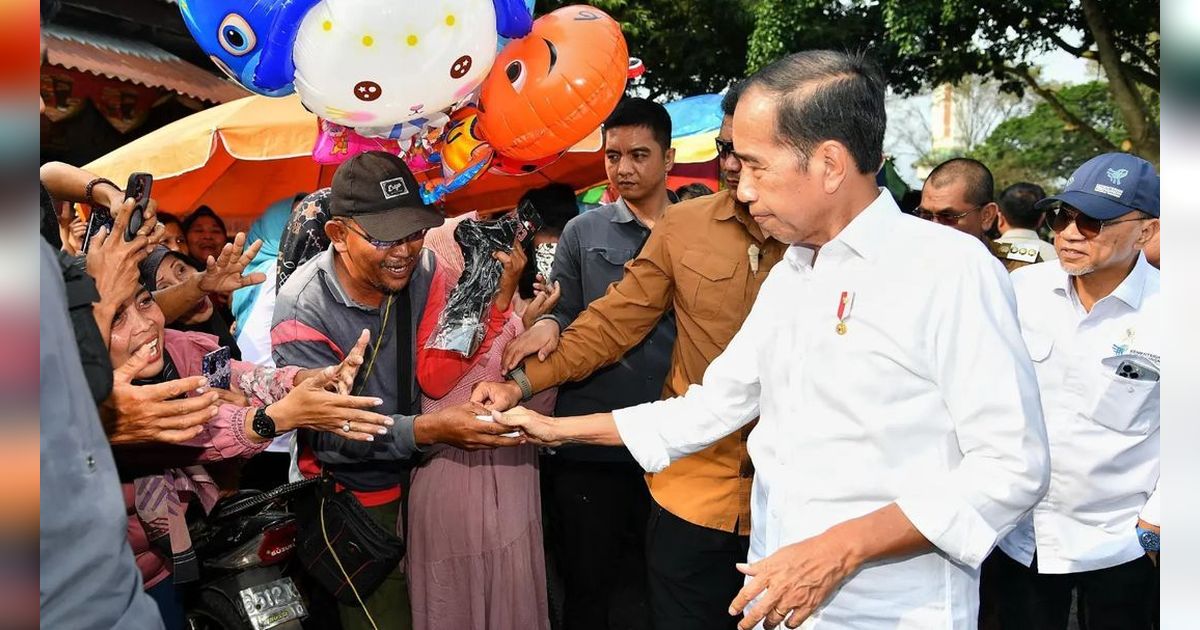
(863, 236)
(1020, 234)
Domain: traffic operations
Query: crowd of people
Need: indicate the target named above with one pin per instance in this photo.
(792, 399)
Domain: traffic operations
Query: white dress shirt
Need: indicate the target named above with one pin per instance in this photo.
(1021, 236)
(1103, 428)
(928, 400)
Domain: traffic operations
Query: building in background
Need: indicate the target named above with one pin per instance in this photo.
(118, 69)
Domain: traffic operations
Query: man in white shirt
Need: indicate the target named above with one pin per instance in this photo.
(1020, 218)
(1092, 323)
(886, 467)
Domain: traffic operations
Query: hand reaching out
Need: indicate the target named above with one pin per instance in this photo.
(135, 414)
(223, 273)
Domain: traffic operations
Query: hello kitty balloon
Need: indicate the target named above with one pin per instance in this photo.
(374, 64)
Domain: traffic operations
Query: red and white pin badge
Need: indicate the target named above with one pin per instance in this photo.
(845, 303)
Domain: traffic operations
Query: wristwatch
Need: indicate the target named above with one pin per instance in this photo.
(263, 424)
(1148, 539)
(518, 376)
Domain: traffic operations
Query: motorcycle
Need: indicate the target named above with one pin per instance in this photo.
(243, 546)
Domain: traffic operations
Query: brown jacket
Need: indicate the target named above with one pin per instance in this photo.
(696, 261)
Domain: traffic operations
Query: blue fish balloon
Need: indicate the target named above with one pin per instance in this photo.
(234, 33)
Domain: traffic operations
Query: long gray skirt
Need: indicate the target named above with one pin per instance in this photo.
(475, 556)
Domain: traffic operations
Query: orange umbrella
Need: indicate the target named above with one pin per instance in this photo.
(241, 156)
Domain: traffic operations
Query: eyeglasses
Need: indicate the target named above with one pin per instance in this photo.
(724, 148)
(378, 244)
(1063, 216)
(945, 218)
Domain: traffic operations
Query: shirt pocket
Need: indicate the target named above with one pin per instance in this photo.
(704, 282)
(603, 266)
(1125, 405)
(1038, 345)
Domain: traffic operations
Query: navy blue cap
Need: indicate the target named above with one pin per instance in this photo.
(1110, 185)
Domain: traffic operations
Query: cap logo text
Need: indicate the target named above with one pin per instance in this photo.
(1109, 190)
(394, 187)
(1115, 175)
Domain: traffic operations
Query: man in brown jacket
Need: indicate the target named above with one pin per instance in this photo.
(705, 259)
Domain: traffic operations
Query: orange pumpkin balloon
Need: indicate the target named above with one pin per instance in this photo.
(550, 89)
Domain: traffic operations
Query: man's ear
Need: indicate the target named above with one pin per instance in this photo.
(988, 215)
(337, 235)
(835, 163)
(670, 155)
(1149, 229)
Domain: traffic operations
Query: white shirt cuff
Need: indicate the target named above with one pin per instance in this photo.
(639, 432)
(951, 524)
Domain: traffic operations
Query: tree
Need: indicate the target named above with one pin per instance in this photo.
(689, 46)
(1040, 148)
(920, 43)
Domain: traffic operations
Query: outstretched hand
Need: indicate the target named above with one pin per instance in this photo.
(136, 414)
(223, 273)
(536, 428)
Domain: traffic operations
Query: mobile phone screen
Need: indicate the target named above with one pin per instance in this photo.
(215, 367)
(543, 257)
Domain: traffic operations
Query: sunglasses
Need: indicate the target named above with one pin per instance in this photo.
(1063, 216)
(945, 218)
(724, 148)
(378, 244)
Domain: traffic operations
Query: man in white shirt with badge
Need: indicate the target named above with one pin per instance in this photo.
(886, 466)
(1092, 323)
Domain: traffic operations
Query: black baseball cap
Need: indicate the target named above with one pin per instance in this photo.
(379, 192)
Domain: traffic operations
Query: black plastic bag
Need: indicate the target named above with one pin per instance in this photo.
(462, 324)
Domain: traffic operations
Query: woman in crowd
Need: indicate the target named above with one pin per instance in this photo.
(289, 398)
(165, 268)
(475, 558)
(205, 233)
(174, 238)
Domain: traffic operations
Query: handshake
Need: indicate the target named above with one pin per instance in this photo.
(501, 399)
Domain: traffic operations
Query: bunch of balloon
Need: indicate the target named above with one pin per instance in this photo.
(548, 90)
(461, 154)
(430, 83)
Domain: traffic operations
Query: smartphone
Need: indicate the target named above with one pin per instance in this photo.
(215, 367)
(137, 188)
(100, 217)
(1137, 370)
(543, 258)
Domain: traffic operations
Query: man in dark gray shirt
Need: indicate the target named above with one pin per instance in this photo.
(88, 577)
(375, 276)
(598, 493)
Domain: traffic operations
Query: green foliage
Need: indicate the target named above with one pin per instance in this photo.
(1041, 148)
(689, 46)
(785, 26)
(922, 43)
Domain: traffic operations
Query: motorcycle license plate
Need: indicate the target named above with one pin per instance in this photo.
(274, 603)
